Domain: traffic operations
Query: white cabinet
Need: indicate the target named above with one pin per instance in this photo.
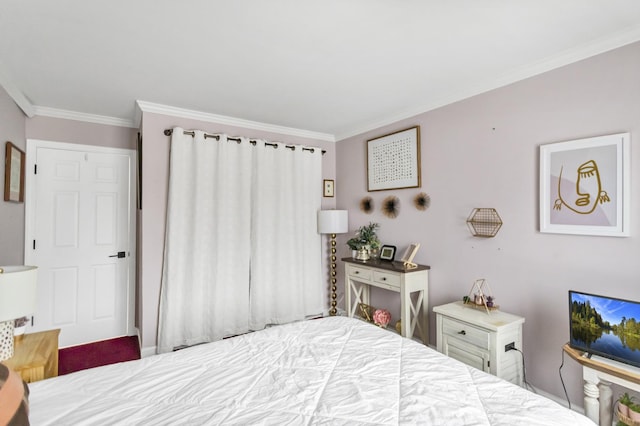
(480, 339)
(392, 276)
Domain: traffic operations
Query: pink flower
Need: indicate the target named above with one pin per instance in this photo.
(381, 317)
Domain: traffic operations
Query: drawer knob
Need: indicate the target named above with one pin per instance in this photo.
(357, 272)
(384, 278)
(462, 332)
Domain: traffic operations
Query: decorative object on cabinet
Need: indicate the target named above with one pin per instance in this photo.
(481, 297)
(411, 284)
(484, 222)
(328, 188)
(381, 317)
(422, 201)
(366, 205)
(366, 312)
(391, 207)
(333, 222)
(393, 160)
(388, 253)
(14, 163)
(365, 241)
(584, 186)
(17, 298)
(409, 254)
(399, 326)
(481, 341)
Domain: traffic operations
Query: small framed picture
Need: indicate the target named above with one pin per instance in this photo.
(409, 254)
(388, 253)
(14, 174)
(328, 188)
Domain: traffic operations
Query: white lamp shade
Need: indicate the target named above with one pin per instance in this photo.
(17, 291)
(333, 221)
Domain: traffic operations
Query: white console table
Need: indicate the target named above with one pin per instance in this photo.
(598, 374)
(361, 276)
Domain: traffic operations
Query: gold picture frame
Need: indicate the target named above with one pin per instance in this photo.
(409, 254)
(393, 160)
(14, 163)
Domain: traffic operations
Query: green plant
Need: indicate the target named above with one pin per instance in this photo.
(365, 238)
(626, 399)
(635, 407)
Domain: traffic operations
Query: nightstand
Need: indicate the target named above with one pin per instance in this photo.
(481, 340)
(35, 356)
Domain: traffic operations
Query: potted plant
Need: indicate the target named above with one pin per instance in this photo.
(634, 413)
(365, 241)
(624, 402)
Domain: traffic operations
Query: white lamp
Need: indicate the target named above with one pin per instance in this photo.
(17, 299)
(333, 222)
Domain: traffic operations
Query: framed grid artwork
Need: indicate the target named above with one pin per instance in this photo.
(393, 160)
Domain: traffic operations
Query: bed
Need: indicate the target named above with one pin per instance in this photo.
(336, 370)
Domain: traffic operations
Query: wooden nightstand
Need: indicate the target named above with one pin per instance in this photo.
(480, 340)
(36, 356)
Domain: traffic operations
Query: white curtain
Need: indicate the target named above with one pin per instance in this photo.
(241, 248)
(286, 276)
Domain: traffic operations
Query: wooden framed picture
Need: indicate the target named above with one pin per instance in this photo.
(585, 186)
(388, 253)
(409, 254)
(393, 160)
(14, 163)
(328, 188)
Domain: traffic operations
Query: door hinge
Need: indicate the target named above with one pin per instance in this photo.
(32, 321)
(34, 244)
(488, 364)
(35, 169)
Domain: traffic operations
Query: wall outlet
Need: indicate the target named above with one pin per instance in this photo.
(510, 346)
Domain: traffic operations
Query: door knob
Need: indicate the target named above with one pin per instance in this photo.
(119, 255)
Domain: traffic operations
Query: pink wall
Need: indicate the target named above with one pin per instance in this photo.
(80, 132)
(12, 128)
(483, 152)
(155, 167)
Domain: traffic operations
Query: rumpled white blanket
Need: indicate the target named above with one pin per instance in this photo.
(334, 371)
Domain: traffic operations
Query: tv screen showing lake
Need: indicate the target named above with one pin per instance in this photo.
(605, 326)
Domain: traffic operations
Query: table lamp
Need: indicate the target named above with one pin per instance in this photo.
(333, 222)
(17, 299)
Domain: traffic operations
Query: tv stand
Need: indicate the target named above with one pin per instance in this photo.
(598, 374)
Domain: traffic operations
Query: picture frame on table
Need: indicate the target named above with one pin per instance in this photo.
(393, 160)
(585, 186)
(14, 173)
(388, 253)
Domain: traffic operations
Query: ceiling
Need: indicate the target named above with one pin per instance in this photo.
(336, 67)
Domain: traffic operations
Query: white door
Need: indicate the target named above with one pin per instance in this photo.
(80, 233)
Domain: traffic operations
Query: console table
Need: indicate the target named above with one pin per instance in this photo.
(598, 374)
(360, 276)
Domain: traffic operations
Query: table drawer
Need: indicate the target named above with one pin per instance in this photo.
(359, 273)
(387, 279)
(466, 332)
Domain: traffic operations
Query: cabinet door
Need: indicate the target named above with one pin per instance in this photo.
(466, 353)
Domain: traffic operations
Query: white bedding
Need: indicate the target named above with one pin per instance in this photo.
(334, 370)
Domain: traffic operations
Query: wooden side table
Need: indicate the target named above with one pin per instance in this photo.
(36, 356)
(361, 276)
(598, 374)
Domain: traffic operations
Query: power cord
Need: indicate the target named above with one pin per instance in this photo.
(562, 381)
(524, 371)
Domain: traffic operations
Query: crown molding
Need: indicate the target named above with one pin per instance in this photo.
(567, 57)
(81, 116)
(15, 93)
(151, 107)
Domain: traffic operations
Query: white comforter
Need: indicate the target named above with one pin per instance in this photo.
(330, 371)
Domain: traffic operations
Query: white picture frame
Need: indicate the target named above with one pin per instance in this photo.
(584, 186)
(409, 254)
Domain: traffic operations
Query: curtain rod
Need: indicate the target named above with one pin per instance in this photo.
(169, 132)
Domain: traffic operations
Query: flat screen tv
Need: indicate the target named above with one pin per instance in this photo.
(605, 326)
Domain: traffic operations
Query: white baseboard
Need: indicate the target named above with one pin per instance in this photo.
(148, 351)
(559, 400)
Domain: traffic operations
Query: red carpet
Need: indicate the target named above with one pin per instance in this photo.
(96, 354)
